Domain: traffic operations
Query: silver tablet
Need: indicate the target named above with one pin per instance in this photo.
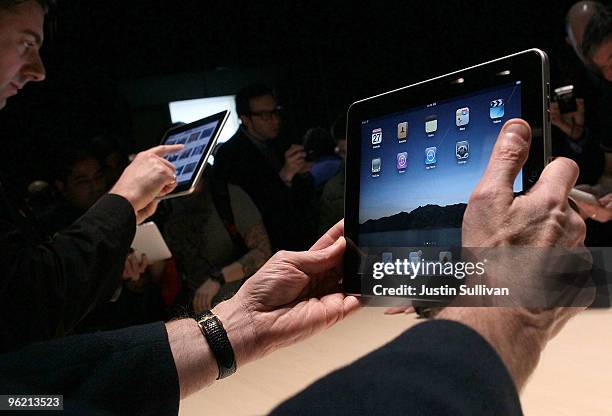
(199, 139)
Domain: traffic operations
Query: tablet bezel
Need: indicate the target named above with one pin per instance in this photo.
(188, 187)
(530, 67)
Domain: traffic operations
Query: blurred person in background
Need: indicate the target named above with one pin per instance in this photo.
(277, 180)
(581, 110)
(112, 158)
(320, 150)
(218, 240)
(331, 203)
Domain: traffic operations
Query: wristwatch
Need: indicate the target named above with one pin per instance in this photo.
(218, 341)
(216, 274)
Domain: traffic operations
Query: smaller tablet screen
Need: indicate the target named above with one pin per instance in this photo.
(196, 142)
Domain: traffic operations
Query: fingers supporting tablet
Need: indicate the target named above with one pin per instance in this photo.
(168, 188)
(330, 237)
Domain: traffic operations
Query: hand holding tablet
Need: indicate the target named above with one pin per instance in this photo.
(416, 154)
(145, 179)
(598, 209)
(198, 140)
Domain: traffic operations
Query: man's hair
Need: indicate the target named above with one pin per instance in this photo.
(597, 32)
(581, 8)
(10, 4)
(244, 96)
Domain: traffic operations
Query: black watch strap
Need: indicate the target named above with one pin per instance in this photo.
(219, 343)
(216, 274)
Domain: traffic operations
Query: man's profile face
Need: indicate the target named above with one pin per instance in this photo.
(263, 122)
(21, 36)
(602, 59)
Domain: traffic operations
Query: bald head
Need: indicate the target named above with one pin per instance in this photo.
(576, 21)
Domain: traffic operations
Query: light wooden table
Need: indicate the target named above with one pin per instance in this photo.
(574, 376)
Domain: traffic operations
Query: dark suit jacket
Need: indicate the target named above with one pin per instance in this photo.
(436, 368)
(128, 371)
(49, 284)
(289, 213)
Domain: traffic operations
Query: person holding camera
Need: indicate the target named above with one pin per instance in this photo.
(279, 183)
(597, 50)
(584, 122)
(320, 149)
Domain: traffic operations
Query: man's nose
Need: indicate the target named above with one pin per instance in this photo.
(34, 70)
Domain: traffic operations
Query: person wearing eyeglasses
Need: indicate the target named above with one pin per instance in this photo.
(277, 180)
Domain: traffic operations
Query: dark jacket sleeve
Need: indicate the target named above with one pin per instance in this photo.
(436, 368)
(130, 371)
(47, 286)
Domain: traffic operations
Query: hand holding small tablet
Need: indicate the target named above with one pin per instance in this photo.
(198, 140)
(148, 177)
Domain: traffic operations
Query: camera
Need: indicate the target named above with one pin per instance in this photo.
(317, 143)
(311, 155)
(566, 99)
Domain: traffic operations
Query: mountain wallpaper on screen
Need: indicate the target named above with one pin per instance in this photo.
(427, 217)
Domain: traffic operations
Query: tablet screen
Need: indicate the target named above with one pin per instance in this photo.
(196, 142)
(419, 166)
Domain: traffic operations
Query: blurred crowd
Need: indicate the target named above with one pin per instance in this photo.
(263, 194)
(266, 192)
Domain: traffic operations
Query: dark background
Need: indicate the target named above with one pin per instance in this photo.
(112, 66)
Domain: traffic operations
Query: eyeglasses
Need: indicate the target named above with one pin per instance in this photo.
(267, 115)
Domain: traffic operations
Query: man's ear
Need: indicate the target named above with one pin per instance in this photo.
(246, 121)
